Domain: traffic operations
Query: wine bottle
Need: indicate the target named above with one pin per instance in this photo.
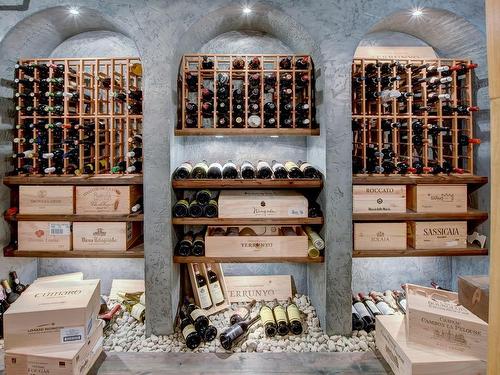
(279, 171)
(293, 170)
(11, 295)
(368, 321)
(200, 170)
(318, 242)
(186, 244)
(308, 170)
(203, 196)
(181, 208)
(206, 63)
(191, 79)
(135, 167)
(314, 209)
(400, 300)
(242, 313)
(229, 170)
(209, 333)
(286, 63)
(195, 209)
(293, 315)
(267, 318)
(202, 288)
(236, 332)
(302, 63)
(357, 322)
(135, 153)
(464, 140)
(191, 336)
(211, 209)
(264, 171)
(197, 314)
(247, 170)
(198, 248)
(207, 95)
(382, 306)
(214, 171)
(254, 121)
(16, 284)
(280, 318)
(370, 305)
(302, 108)
(238, 63)
(214, 286)
(121, 166)
(312, 252)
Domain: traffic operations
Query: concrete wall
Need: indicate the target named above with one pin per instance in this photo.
(330, 31)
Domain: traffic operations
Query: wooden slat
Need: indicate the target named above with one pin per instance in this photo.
(416, 180)
(247, 131)
(247, 221)
(236, 259)
(134, 252)
(410, 252)
(74, 180)
(471, 214)
(300, 183)
(131, 217)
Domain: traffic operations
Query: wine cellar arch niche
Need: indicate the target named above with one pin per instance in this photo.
(451, 36)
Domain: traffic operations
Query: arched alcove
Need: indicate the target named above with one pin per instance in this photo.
(450, 36)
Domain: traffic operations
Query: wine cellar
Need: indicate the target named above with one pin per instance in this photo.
(249, 188)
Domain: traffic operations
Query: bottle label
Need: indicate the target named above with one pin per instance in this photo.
(280, 314)
(266, 315)
(354, 311)
(195, 314)
(187, 330)
(372, 306)
(216, 292)
(293, 312)
(59, 229)
(361, 309)
(384, 308)
(234, 332)
(303, 166)
(403, 303)
(242, 312)
(138, 311)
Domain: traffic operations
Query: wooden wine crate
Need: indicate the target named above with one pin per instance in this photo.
(437, 234)
(379, 198)
(379, 236)
(44, 200)
(106, 200)
(435, 318)
(437, 198)
(408, 358)
(262, 203)
(266, 243)
(217, 268)
(115, 236)
(473, 294)
(44, 235)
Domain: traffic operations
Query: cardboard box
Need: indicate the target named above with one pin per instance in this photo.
(46, 199)
(434, 318)
(407, 358)
(437, 234)
(268, 242)
(109, 236)
(378, 236)
(262, 203)
(437, 198)
(378, 198)
(106, 200)
(473, 294)
(71, 359)
(53, 313)
(44, 235)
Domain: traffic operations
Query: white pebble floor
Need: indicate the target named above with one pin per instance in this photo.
(126, 334)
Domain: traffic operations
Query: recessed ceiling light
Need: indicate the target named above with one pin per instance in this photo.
(74, 11)
(219, 136)
(274, 136)
(247, 10)
(417, 12)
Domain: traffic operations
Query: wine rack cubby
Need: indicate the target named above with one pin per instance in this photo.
(413, 116)
(221, 94)
(78, 116)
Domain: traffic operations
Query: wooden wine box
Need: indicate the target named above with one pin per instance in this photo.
(379, 198)
(473, 294)
(217, 268)
(437, 234)
(46, 200)
(268, 241)
(379, 236)
(408, 358)
(106, 200)
(107, 236)
(262, 203)
(437, 198)
(435, 318)
(44, 235)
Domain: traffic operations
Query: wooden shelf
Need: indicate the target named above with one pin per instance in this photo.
(134, 252)
(298, 183)
(246, 132)
(246, 221)
(100, 218)
(471, 215)
(411, 252)
(109, 179)
(203, 259)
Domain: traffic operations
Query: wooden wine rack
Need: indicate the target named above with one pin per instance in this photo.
(114, 123)
(436, 149)
(239, 78)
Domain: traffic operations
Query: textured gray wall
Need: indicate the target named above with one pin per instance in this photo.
(329, 30)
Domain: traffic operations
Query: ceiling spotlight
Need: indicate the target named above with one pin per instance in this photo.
(219, 136)
(74, 11)
(417, 12)
(247, 10)
(274, 136)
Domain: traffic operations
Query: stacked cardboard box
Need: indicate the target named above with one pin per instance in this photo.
(437, 336)
(53, 328)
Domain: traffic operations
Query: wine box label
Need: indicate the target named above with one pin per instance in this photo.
(437, 234)
(199, 296)
(267, 288)
(262, 203)
(435, 318)
(44, 235)
(378, 198)
(437, 198)
(53, 313)
(409, 358)
(473, 294)
(109, 236)
(106, 200)
(379, 236)
(46, 200)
